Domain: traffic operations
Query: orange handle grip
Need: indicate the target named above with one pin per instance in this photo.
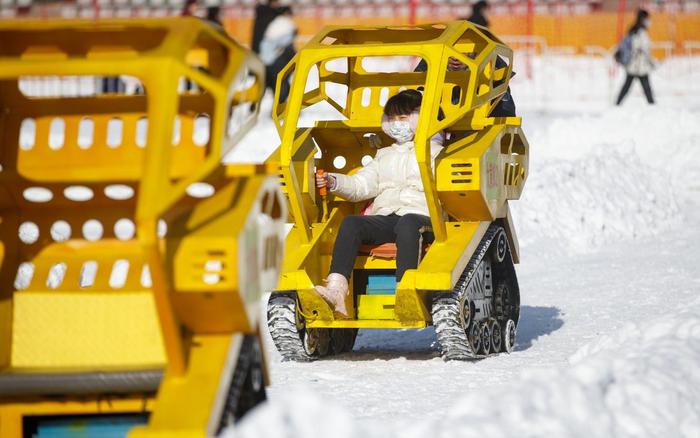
(322, 190)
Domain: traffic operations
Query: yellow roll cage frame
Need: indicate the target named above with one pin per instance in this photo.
(479, 170)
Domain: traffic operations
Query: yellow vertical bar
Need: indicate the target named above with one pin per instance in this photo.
(288, 148)
(8, 244)
(437, 65)
(162, 105)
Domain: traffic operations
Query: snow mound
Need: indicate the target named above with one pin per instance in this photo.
(643, 381)
(617, 174)
(300, 413)
(663, 138)
(605, 196)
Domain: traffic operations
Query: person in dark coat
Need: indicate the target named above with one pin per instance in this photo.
(506, 106)
(478, 10)
(214, 15)
(265, 12)
(641, 63)
(277, 49)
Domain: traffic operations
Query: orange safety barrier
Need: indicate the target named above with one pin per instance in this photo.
(577, 31)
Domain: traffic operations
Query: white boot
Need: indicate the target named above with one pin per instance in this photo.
(334, 292)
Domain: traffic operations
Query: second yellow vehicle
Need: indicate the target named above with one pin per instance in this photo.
(465, 284)
(131, 259)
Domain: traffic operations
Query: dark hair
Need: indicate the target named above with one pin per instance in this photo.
(213, 14)
(639, 23)
(480, 6)
(282, 10)
(403, 103)
(186, 8)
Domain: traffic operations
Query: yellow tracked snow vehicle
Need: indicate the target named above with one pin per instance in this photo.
(132, 259)
(465, 283)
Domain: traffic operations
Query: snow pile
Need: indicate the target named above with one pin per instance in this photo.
(603, 197)
(301, 413)
(643, 381)
(621, 176)
(665, 138)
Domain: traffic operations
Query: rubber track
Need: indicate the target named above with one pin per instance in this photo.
(281, 320)
(454, 344)
(242, 394)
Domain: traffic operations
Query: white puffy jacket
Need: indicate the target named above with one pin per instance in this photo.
(641, 63)
(392, 178)
(279, 34)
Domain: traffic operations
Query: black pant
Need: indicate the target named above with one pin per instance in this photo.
(628, 83)
(375, 230)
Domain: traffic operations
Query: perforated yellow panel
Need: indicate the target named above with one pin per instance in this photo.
(113, 330)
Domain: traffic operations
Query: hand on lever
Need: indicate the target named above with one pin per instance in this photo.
(321, 181)
(324, 180)
(374, 141)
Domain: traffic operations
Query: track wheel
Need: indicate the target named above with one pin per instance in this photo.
(316, 342)
(342, 340)
(485, 338)
(475, 337)
(466, 312)
(501, 246)
(496, 336)
(509, 336)
(247, 388)
(289, 333)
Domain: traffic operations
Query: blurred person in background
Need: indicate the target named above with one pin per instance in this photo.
(265, 13)
(478, 16)
(214, 15)
(506, 106)
(641, 62)
(189, 8)
(277, 49)
(210, 14)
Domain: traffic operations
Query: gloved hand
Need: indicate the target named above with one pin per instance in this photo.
(374, 141)
(325, 180)
(321, 179)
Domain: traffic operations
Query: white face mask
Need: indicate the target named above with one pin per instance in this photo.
(399, 130)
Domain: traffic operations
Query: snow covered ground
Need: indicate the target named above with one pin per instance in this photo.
(608, 343)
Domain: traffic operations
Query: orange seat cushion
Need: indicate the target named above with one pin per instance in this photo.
(385, 250)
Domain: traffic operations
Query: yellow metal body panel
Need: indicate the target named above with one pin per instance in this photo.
(108, 331)
(366, 323)
(205, 239)
(375, 306)
(370, 262)
(478, 174)
(482, 167)
(190, 406)
(445, 261)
